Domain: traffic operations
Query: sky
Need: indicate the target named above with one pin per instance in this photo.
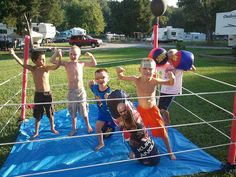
(172, 2)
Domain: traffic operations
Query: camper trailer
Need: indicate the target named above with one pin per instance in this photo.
(175, 34)
(226, 25)
(48, 30)
(78, 31)
(7, 36)
(170, 34)
(194, 36)
(162, 34)
(5, 30)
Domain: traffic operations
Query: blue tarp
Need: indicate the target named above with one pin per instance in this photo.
(77, 155)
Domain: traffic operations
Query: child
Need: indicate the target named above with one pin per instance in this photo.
(175, 89)
(40, 73)
(101, 91)
(74, 71)
(146, 85)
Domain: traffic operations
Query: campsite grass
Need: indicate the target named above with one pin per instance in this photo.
(202, 135)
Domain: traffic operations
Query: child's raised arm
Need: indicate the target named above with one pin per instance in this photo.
(57, 53)
(57, 63)
(121, 76)
(12, 52)
(92, 62)
(90, 83)
(169, 81)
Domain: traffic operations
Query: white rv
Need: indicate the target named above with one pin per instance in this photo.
(226, 25)
(48, 30)
(194, 36)
(5, 30)
(162, 34)
(77, 31)
(170, 34)
(175, 34)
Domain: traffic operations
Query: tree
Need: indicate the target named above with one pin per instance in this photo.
(87, 15)
(51, 12)
(131, 16)
(12, 12)
(115, 19)
(200, 15)
(106, 11)
(175, 17)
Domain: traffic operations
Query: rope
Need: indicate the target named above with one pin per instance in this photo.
(10, 79)
(222, 82)
(130, 98)
(116, 132)
(121, 161)
(203, 120)
(9, 120)
(121, 61)
(210, 102)
(9, 100)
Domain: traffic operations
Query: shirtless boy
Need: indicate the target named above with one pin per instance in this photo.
(74, 70)
(40, 73)
(146, 85)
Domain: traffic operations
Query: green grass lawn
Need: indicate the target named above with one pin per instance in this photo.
(202, 135)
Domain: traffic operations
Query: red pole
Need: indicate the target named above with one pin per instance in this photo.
(155, 33)
(232, 147)
(24, 77)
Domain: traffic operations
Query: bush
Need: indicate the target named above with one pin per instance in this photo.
(180, 45)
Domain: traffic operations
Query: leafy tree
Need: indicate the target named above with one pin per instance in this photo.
(176, 17)
(51, 12)
(115, 19)
(200, 15)
(130, 16)
(87, 15)
(106, 11)
(12, 12)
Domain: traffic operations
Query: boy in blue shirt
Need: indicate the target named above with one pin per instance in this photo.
(101, 90)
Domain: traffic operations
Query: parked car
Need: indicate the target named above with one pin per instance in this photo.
(84, 40)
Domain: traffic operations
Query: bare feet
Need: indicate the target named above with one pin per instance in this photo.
(167, 121)
(34, 136)
(172, 157)
(55, 132)
(131, 155)
(90, 129)
(72, 133)
(100, 146)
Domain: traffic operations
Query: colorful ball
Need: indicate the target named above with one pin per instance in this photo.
(183, 60)
(159, 55)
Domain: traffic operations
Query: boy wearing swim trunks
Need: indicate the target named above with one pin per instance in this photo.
(146, 85)
(74, 70)
(40, 73)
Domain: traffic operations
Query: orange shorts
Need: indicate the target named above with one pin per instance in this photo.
(152, 117)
